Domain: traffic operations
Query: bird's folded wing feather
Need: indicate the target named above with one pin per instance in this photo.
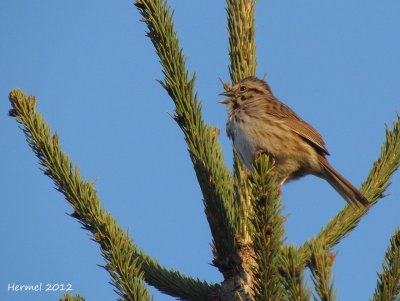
(274, 107)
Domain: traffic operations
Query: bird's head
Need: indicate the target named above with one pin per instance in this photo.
(245, 89)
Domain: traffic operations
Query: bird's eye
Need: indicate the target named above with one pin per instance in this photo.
(242, 88)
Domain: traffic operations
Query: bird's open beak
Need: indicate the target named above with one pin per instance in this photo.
(226, 100)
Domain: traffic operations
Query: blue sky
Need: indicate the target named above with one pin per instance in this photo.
(93, 72)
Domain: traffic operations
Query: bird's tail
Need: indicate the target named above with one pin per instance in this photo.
(342, 185)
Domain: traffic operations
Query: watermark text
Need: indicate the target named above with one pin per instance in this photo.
(39, 287)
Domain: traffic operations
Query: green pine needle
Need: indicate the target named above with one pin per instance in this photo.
(241, 33)
(267, 232)
(292, 272)
(388, 285)
(321, 264)
(126, 264)
(204, 150)
(373, 188)
(69, 297)
(243, 63)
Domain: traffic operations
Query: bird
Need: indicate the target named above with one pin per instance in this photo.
(259, 123)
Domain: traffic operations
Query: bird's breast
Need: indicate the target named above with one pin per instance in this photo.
(266, 134)
(244, 142)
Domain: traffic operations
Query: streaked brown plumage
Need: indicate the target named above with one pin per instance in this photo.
(260, 123)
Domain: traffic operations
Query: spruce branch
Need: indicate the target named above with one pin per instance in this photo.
(241, 33)
(243, 63)
(204, 150)
(321, 264)
(176, 284)
(267, 232)
(388, 284)
(126, 264)
(69, 297)
(373, 188)
(292, 272)
(243, 198)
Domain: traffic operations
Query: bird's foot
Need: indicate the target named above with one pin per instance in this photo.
(282, 181)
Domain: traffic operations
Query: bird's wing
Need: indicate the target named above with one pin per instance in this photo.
(274, 107)
(307, 132)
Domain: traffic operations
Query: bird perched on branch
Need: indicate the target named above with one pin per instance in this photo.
(259, 123)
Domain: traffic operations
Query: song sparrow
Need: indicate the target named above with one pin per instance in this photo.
(260, 123)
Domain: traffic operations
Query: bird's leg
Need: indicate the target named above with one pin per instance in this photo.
(282, 181)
